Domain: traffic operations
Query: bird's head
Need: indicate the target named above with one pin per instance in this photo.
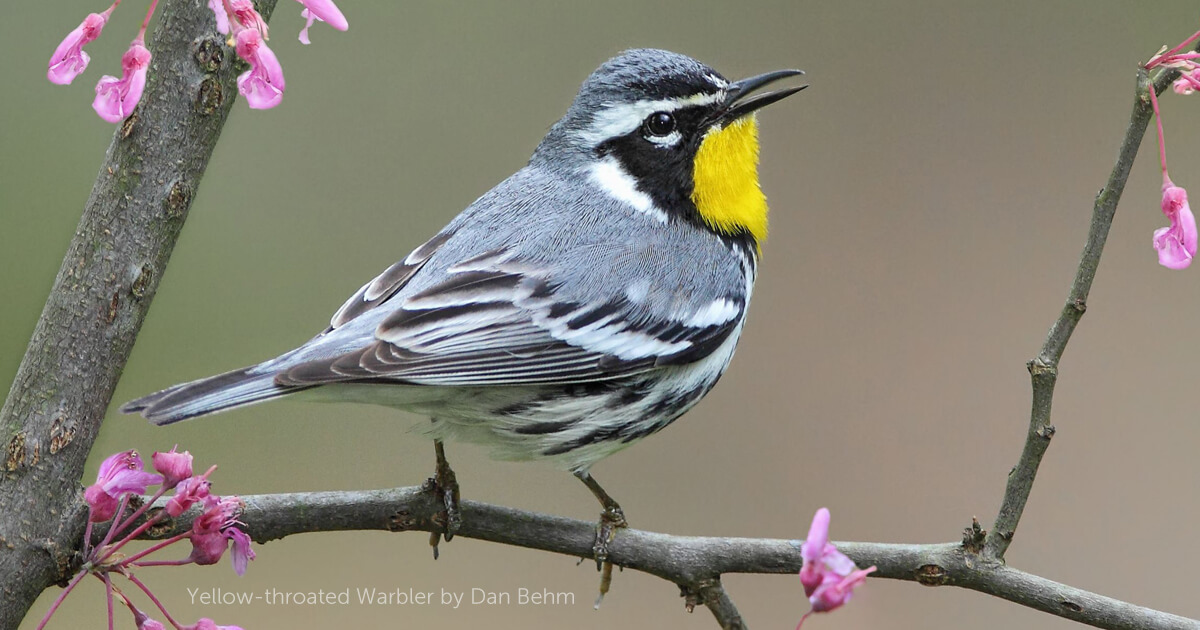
(672, 137)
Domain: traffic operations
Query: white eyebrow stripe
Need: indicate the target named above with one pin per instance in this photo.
(717, 81)
(612, 179)
(614, 120)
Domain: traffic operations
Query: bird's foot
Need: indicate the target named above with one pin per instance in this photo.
(445, 487)
(611, 519)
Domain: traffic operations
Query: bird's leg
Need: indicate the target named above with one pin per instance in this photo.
(611, 519)
(446, 486)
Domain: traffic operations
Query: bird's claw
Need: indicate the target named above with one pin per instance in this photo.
(611, 519)
(445, 488)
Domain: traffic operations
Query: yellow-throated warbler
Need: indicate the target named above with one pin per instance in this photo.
(584, 303)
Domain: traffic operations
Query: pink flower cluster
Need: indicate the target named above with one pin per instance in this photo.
(120, 480)
(1176, 243)
(828, 576)
(115, 98)
(262, 85)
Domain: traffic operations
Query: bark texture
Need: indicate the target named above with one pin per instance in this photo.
(100, 297)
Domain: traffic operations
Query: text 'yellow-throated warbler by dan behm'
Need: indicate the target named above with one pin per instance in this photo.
(584, 303)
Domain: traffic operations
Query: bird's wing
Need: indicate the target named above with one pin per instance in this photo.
(496, 320)
(386, 284)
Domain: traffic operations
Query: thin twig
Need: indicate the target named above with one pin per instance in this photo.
(713, 596)
(1043, 369)
(692, 562)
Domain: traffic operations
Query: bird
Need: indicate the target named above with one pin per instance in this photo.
(581, 305)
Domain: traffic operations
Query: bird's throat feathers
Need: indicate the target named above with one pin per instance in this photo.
(725, 173)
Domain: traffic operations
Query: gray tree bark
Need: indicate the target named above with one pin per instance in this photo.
(694, 563)
(100, 297)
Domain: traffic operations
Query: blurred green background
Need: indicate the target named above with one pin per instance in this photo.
(930, 197)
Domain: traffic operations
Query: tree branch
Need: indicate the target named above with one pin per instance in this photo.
(695, 563)
(111, 271)
(1043, 369)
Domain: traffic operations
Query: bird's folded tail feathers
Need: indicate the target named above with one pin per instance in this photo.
(208, 395)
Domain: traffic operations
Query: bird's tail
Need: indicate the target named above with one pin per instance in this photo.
(208, 395)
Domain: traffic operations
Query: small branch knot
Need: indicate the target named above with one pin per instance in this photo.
(402, 521)
(15, 453)
(931, 575)
(61, 433)
(210, 96)
(210, 52)
(138, 287)
(128, 125)
(178, 199)
(699, 593)
(974, 537)
(1040, 367)
(1143, 87)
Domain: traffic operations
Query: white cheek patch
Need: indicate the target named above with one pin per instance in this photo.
(612, 179)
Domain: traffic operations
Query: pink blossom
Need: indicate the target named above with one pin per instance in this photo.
(187, 493)
(1176, 244)
(828, 576)
(174, 467)
(219, 513)
(248, 17)
(1187, 83)
(218, 9)
(146, 623)
(310, 18)
(1185, 62)
(213, 529)
(324, 11)
(836, 592)
(241, 554)
(208, 547)
(69, 60)
(262, 84)
(116, 98)
(208, 541)
(119, 474)
(211, 532)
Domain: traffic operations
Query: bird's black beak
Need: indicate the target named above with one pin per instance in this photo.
(739, 102)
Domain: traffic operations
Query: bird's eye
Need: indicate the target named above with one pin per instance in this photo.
(660, 124)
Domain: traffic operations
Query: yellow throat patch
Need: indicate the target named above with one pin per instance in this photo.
(726, 178)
